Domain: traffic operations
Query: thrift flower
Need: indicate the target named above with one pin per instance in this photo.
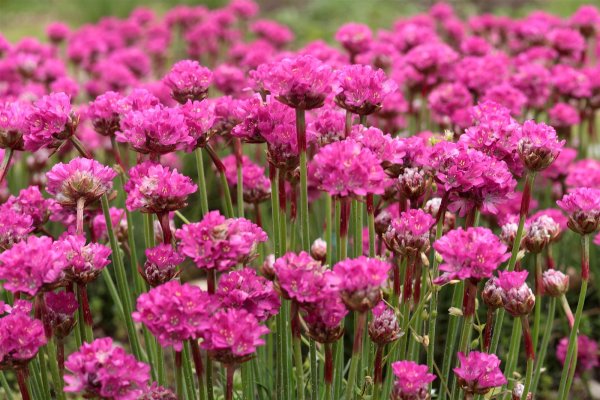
(479, 372)
(50, 122)
(517, 297)
(188, 80)
(161, 264)
(587, 353)
(84, 262)
(583, 207)
(539, 145)
(361, 89)
(360, 281)
(300, 277)
(411, 381)
(409, 233)
(20, 335)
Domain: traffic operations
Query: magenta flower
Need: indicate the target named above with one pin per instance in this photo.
(355, 38)
(30, 202)
(555, 283)
(245, 290)
(324, 317)
(161, 264)
(539, 145)
(447, 102)
(60, 312)
(259, 120)
(347, 168)
(104, 113)
(559, 169)
(584, 173)
(384, 327)
(199, 118)
(232, 336)
(411, 381)
(15, 226)
(13, 124)
(119, 224)
(409, 233)
(100, 369)
(583, 207)
(84, 262)
(540, 231)
(586, 19)
(156, 130)
(587, 353)
(533, 80)
(81, 178)
(360, 281)
(57, 32)
(277, 34)
(156, 392)
(220, 243)
(469, 254)
(390, 151)
(157, 189)
(188, 80)
(50, 122)
(517, 297)
(31, 266)
(299, 82)
(300, 277)
(563, 115)
(257, 187)
(361, 89)
(20, 335)
(508, 96)
(174, 312)
(479, 372)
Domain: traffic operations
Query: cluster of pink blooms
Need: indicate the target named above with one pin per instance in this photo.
(395, 137)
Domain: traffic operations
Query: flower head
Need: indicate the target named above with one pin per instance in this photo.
(161, 264)
(517, 297)
(245, 290)
(119, 224)
(32, 265)
(174, 312)
(479, 372)
(355, 38)
(232, 336)
(540, 232)
(220, 243)
(30, 202)
(188, 80)
(300, 277)
(157, 189)
(15, 226)
(13, 124)
(384, 327)
(361, 89)
(84, 262)
(469, 254)
(587, 353)
(20, 335)
(256, 185)
(409, 233)
(60, 312)
(555, 283)
(324, 317)
(50, 122)
(411, 381)
(156, 392)
(360, 281)
(100, 369)
(492, 293)
(583, 207)
(81, 178)
(105, 113)
(539, 145)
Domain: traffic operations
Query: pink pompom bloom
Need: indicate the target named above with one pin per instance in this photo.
(60, 312)
(555, 283)
(31, 266)
(583, 207)
(384, 327)
(50, 122)
(448, 100)
(539, 146)
(13, 124)
(324, 317)
(57, 32)
(220, 243)
(156, 392)
(15, 226)
(390, 151)
(355, 38)
(245, 290)
(155, 130)
(301, 278)
(259, 120)
(81, 178)
(517, 297)
(533, 80)
(188, 80)
(174, 312)
(84, 262)
(30, 202)
(361, 89)
(229, 79)
(104, 113)
(232, 336)
(276, 34)
(101, 369)
(157, 189)
(559, 169)
(586, 19)
(199, 118)
(479, 372)
(469, 254)
(300, 82)
(161, 264)
(346, 168)
(409, 233)
(563, 115)
(257, 187)
(20, 335)
(507, 95)
(411, 381)
(584, 173)
(587, 353)
(360, 281)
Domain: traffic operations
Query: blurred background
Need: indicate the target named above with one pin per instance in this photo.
(310, 19)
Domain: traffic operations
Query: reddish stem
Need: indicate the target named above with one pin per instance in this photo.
(345, 216)
(417, 290)
(489, 329)
(529, 349)
(526, 199)
(378, 368)
(257, 215)
(229, 388)
(85, 305)
(397, 263)
(282, 193)
(197, 359)
(215, 159)
(295, 321)
(211, 281)
(407, 290)
(165, 226)
(22, 382)
(60, 355)
(469, 297)
(328, 371)
(361, 321)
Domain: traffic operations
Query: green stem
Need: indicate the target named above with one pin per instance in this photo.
(80, 147)
(54, 370)
(301, 137)
(371, 223)
(44, 372)
(8, 154)
(314, 369)
(530, 356)
(543, 347)
(5, 386)
(201, 182)
(188, 377)
(450, 348)
(513, 352)
(299, 367)
(329, 230)
(537, 316)
(356, 353)
(224, 184)
(179, 375)
(237, 144)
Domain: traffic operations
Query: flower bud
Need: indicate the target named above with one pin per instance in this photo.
(517, 393)
(492, 293)
(412, 182)
(517, 297)
(60, 312)
(266, 268)
(161, 264)
(384, 327)
(383, 221)
(318, 250)
(540, 233)
(508, 234)
(555, 283)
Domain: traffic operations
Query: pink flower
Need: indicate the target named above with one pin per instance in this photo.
(469, 254)
(15, 226)
(156, 392)
(220, 243)
(389, 150)
(583, 207)
(299, 82)
(155, 130)
(587, 353)
(584, 173)
(448, 100)
(533, 80)
(586, 19)
(161, 264)
(276, 34)
(507, 95)
(300, 277)
(361, 89)
(409, 233)
(479, 372)
(245, 290)
(570, 82)
(539, 145)
(81, 178)
(57, 32)
(569, 44)
(355, 38)
(13, 124)
(199, 119)
(229, 79)
(60, 312)
(100, 369)
(481, 73)
(384, 327)
(411, 381)
(32, 265)
(30, 203)
(232, 336)
(555, 283)
(560, 167)
(563, 115)
(257, 187)
(188, 80)
(156, 189)
(84, 262)
(104, 112)
(20, 335)
(324, 317)
(50, 122)
(517, 297)
(360, 281)
(347, 168)
(119, 224)
(174, 312)
(259, 120)
(540, 231)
